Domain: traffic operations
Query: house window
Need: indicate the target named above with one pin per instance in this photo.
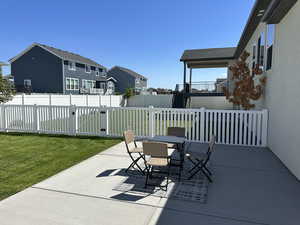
(97, 71)
(87, 69)
(253, 56)
(270, 42)
(72, 83)
(102, 85)
(88, 84)
(72, 65)
(27, 83)
(260, 50)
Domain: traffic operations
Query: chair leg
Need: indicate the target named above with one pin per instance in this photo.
(147, 176)
(135, 163)
(203, 171)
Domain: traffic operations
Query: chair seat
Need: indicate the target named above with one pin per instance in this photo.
(136, 150)
(172, 145)
(157, 161)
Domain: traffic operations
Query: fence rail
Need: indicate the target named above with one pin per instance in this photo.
(236, 127)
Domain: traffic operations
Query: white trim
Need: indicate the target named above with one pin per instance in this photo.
(74, 79)
(63, 76)
(111, 78)
(28, 49)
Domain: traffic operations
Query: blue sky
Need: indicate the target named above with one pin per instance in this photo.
(147, 36)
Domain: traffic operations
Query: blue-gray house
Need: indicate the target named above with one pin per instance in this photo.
(44, 69)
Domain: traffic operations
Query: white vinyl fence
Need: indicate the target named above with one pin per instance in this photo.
(67, 100)
(234, 127)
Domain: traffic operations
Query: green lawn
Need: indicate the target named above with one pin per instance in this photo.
(28, 159)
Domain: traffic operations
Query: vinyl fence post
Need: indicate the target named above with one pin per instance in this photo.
(72, 120)
(70, 99)
(99, 100)
(265, 118)
(104, 122)
(87, 100)
(110, 100)
(151, 121)
(36, 120)
(50, 99)
(3, 117)
(23, 99)
(202, 121)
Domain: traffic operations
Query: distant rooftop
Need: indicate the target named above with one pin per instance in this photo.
(133, 73)
(62, 54)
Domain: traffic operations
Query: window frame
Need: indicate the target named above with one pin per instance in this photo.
(25, 81)
(270, 47)
(88, 66)
(70, 67)
(72, 84)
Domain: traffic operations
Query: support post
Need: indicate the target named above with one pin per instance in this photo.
(151, 121)
(202, 121)
(184, 76)
(191, 78)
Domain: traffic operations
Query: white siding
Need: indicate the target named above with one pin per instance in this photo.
(282, 94)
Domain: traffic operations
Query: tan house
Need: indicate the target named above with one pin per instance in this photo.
(272, 37)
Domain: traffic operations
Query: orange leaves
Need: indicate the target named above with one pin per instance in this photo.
(245, 90)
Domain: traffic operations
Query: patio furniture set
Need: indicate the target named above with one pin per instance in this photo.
(156, 157)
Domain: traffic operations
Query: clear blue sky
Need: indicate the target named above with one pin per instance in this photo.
(147, 36)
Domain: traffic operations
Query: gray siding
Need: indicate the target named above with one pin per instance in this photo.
(124, 80)
(78, 73)
(42, 68)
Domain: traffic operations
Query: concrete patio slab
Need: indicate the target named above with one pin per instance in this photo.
(36, 207)
(97, 177)
(251, 186)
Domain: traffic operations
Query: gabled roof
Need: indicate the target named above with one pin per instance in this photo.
(131, 72)
(61, 54)
(208, 54)
(270, 11)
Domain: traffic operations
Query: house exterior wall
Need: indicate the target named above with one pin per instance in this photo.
(140, 83)
(42, 68)
(79, 73)
(282, 93)
(124, 80)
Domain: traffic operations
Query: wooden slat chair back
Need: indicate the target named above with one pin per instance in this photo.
(132, 148)
(176, 131)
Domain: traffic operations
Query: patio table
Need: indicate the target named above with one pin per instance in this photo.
(180, 141)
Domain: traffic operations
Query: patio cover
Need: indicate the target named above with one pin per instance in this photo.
(208, 58)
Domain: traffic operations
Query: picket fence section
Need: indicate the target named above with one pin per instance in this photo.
(236, 127)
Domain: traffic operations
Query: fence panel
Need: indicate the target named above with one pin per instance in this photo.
(235, 127)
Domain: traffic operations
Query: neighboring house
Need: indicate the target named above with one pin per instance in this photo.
(2, 64)
(44, 69)
(126, 78)
(271, 36)
(220, 84)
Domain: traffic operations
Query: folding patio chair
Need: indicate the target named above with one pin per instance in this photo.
(159, 158)
(132, 149)
(200, 160)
